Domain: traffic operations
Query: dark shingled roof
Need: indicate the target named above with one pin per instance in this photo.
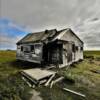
(39, 36)
(43, 36)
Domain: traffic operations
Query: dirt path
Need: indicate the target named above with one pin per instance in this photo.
(36, 95)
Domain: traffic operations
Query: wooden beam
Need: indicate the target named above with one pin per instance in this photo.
(50, 79)
(28, 77)
(27, 82)
(74, 92)
(50, 67)
(55, 81)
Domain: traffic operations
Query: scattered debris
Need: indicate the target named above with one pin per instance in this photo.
(27, 82)
(42, 81)
(50, 79)
(29, 78)
(45, 77)
(49, 67)
(55, 81)
(74, 92)
(38, 76)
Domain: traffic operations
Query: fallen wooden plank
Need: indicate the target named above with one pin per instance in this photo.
(47, 83)
(30, 78)
(51, 84)
(58, 79)
(43, 81)
(50, 67)
(27, 82)
(55, 81)
(74, 92)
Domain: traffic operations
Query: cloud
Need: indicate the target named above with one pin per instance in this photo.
(10, 33)
(81, 15)
(8, 42)
(46, 13)
(89, 30)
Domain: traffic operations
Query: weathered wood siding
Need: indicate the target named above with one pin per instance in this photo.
(54, 53)
(71, 37)
(31, 56)
(67, 54)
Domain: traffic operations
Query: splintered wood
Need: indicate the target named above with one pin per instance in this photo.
(50, 79)
(55, 81)
(35, 77)
(38, 76)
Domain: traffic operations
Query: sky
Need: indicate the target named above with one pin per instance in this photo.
(19, 17)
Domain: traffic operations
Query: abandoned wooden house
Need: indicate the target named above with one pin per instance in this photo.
(51, 47)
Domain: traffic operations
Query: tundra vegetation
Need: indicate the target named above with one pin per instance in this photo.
(79, 77)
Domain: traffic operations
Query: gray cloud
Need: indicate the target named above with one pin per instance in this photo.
(41, 14)
(89, 30)
(8, 42)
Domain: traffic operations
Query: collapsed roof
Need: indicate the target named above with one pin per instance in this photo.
(43, 36)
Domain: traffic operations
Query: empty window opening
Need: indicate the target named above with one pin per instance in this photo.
(32, 48)
(81, 48)
(26, 49)
(37, 48)
(73, 48)
(76, 48)
(21, 48)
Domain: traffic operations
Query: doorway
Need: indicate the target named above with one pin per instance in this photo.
(52, 53)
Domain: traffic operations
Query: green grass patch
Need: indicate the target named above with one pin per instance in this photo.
(95, 53)
(78, 78)
(86, 82)
(12, 87)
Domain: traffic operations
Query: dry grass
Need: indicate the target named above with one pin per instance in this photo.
(12, 86)
(86, 81)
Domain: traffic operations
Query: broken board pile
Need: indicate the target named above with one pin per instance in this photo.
(37, 76)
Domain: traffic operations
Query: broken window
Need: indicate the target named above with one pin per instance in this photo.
(32, 48)
(26, 49)
(73, 48)
(81, 48)
(76, 48)
(37, 48)
(21, 48)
